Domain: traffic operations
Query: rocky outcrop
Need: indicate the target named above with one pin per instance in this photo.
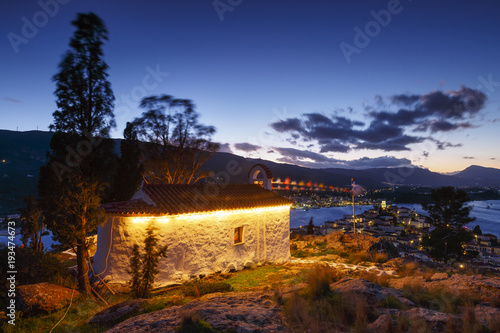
(428, 320)
(372, 293)
(118, 311)
(485, 289)
(383, 323)
(240, 312)
(44, 297)
(488, 317)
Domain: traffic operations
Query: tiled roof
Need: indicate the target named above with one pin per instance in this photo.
(137, 206)
(174, 199)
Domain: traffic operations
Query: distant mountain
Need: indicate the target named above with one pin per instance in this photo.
(23, 153)
(482, 176)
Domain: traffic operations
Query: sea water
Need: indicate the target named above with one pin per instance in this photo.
(487, 218)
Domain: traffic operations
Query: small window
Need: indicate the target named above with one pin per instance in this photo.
(238, 235)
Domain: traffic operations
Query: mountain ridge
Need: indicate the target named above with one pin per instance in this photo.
(23, 153)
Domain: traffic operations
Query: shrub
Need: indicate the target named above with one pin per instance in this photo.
(382, 280)
(191, 322)
(143, 268)
(35, 267)
(197, 288)
(300, 254)
(321, 246)
(319, 280)
(407, 269)
(379, 257)
(391, 302)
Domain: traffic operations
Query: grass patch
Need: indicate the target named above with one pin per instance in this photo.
(199, 288)
(257, 277)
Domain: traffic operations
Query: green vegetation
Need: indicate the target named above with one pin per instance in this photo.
(191, 322)
(143, 276)
(198, 288)
(35, 267)
(449, 214)
(318, 309)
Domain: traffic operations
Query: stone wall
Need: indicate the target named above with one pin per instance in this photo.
(197, 244)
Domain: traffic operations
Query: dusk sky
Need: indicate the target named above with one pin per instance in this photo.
(314, 83)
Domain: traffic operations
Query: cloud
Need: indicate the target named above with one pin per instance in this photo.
(245, 146)
(469, 157)
(315, 160)
(225, 148)
(11, 100)
(392, 124)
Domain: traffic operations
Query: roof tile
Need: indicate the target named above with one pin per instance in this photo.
(174, 199)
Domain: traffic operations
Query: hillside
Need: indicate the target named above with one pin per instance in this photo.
(23, 153)
(480, 175)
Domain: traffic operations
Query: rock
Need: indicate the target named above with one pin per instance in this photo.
(406, 281)
(372, 293)
(240, 312)
(422, 319)
(489, 317)
(44, 297)
(382, 324)
(439, 276)
(118, 311)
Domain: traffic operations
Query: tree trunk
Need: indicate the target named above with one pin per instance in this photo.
(83, 276)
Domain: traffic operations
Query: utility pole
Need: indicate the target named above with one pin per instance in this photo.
(446, 248)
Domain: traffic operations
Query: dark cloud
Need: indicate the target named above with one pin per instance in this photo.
(11, 100)
(245, 146)
(469, 157)
(315, 160)
(300, 155)
(389, 129)
(405, 100)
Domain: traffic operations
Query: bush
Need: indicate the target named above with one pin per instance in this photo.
(198, 288)
(379, 257)
(35, 267)
(191, 322)
(391, 302)
(319, 280)
(382, 280)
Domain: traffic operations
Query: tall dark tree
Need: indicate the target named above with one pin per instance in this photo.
(84, 95)
(449, 214)
(32, 224)
(310, 227)
(447, 208)
(71, 185)
(130, 170)
(178, 144)
(477, 230)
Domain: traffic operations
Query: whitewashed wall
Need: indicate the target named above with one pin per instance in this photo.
(196, 245)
